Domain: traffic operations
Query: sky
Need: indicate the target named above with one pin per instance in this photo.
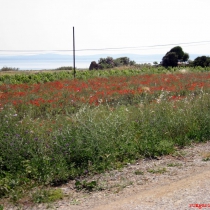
(138, 26)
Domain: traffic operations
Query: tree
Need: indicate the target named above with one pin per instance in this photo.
(175, 55)
(106, 62)
(202, 61)
(125, 61)
(170, 59)
(179, 52)
(9, 69)
(132, 63)
(94, 65)
(122, 61)
(109, 62)
(185, 57)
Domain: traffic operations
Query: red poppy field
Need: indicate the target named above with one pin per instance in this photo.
(64, 129)
(64, 93)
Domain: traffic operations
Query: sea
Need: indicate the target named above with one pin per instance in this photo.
(53, 61)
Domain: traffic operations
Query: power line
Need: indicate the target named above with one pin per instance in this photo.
(117, 48)
(151, 46)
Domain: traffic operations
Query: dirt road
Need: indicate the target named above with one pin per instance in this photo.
(183, 194)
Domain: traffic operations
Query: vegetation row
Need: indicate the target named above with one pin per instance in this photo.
(173, 58)
(42, 77)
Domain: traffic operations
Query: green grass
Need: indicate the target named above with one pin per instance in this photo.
(138, 172)
(84, 185)
(47, 196)
(157, 171)
(174, 164)
(92, 140)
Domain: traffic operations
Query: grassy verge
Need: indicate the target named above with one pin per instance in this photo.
(94, 139)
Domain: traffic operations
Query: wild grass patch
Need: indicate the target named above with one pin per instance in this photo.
(206, 156)
(157, 171)
(174, 164)
(47, 195)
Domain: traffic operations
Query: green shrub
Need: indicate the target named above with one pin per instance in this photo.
(65, 68)
(47, 196)
(9, 69)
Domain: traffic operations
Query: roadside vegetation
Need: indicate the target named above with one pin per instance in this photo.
(55, 128)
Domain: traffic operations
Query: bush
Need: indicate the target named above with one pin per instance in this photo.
(106, 62)
(65, 68)
(202, 61)
(109, 62)
(124, 61)
(9, 69)
(94, 65)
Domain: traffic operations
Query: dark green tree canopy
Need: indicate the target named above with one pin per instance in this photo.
(202, 61)
(185, 57)
(122, 61)
(170, 59)
(109, 62)
(106, 62)
(175, 55)
(179, 52)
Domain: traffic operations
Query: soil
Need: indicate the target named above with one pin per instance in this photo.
(178, 181)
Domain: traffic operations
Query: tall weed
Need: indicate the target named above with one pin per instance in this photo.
(94, 139)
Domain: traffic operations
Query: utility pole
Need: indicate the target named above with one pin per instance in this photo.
(74, 53)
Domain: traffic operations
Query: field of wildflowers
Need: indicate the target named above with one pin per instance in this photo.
(54, 131)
